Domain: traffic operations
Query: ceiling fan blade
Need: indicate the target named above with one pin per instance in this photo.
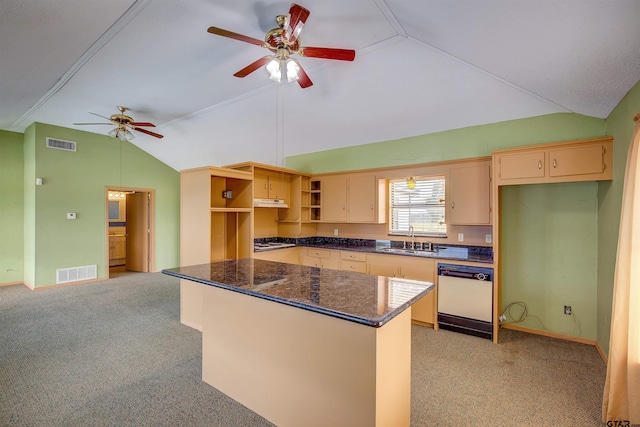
(327, 53)
(253, 67)
(110, 124)
(235, 36)
(294, 22)
(148, 132)
(100, 116)
(303, 79)
(142, 124)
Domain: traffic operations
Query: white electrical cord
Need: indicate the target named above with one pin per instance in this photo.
(525, 314)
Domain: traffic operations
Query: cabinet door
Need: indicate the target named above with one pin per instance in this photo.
(261, 186)
(383, 265)
(279, 186)
(421, 269)
(310, 261)
(288, 255)
(522, 165)
(334, 199)
(362, 198)
(576, 160)
(469, 195)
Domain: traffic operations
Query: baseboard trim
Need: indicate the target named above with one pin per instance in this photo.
(11, 283)
(550, 334)
(604, 356)
(79, 282)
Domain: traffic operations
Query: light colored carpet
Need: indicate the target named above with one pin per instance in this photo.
(114, 353)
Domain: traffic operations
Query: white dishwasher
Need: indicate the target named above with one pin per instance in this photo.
(465, 299)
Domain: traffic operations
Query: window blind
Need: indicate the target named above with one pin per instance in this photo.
(423, 207)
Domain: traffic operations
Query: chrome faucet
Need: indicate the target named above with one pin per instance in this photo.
(413, 237)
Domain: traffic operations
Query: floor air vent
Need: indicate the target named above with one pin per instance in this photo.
(61, 144)
(75, 274)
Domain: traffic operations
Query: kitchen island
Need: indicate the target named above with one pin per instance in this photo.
(307, 346)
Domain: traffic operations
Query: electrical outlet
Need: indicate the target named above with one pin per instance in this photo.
(335, 231)
(567, 309)
(460, 237)
(487, 238)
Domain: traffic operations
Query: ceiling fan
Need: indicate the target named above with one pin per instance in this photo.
(283, 42)
(124, 125)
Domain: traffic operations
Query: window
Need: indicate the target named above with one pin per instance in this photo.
(423, 207)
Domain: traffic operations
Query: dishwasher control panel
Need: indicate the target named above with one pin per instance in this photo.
(466, 272)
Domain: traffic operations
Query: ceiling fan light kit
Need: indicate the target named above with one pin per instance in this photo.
(124, 125)
(283, 42)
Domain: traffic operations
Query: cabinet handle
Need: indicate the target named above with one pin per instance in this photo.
(539, 164)
(352, 256)
(343, 207)
(555, 163)
(352, 267)
(453, 205)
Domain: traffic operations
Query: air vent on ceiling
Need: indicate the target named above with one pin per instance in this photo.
(61, 144)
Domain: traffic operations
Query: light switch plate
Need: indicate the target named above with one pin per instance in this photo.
(460, 237)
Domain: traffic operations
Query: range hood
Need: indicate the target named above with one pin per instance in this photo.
(269, 203)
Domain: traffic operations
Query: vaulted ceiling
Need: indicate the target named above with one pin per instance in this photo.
(421, 66)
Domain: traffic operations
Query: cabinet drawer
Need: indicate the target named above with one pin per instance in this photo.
(319, 253)
(353, 256)
(357, 266)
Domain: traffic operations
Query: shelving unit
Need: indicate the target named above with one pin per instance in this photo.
(315, 195)
(216, 223)
(305, 199)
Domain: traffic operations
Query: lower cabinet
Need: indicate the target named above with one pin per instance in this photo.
(322, 258)
(117, 250)
(405, 267)
(288, 255)
(353, 261)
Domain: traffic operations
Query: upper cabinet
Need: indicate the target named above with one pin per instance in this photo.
(469, 194)
(353, 198)
(586, 160)
(271, 185)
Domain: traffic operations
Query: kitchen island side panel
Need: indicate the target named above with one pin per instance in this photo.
(296, 367)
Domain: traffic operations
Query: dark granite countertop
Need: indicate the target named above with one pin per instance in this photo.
(361, 298)
(480, 254)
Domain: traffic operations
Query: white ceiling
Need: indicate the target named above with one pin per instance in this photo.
(421, 66)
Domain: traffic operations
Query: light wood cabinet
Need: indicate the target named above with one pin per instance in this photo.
(586, 160)
(469, 195)
(321, 258)
(424, 310)
(212, 227)
(353, 261)
(117, 250)
(422, 269)
(357, 198)
(288, 255)
(271, 185)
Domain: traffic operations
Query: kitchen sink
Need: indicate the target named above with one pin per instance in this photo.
(413, 252)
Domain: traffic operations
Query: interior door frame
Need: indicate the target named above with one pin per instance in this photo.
(152, 222)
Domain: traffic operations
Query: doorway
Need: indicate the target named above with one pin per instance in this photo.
(130, 229)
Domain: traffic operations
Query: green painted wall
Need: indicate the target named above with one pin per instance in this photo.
(621, 127)
(76, 182)
(11, 207)
(551, 243)
(473, 141)
(549, 255)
